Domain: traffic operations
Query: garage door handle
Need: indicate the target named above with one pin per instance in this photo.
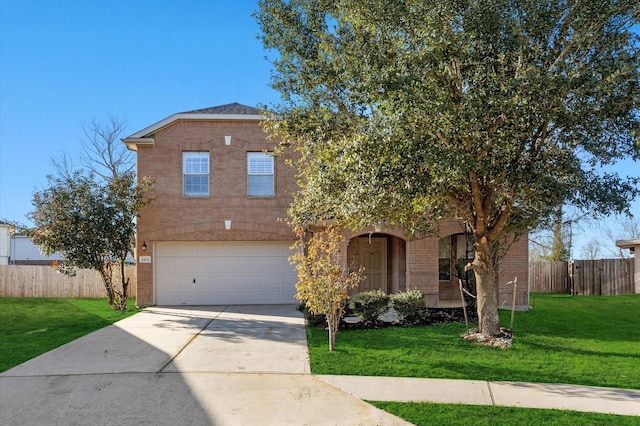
(194, 280)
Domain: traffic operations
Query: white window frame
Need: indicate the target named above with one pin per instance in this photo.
(193, 169)
(260, 164)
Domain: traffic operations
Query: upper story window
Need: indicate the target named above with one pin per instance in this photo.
(260, 175)
(195, 174)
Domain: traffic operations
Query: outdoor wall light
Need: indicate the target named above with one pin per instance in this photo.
(144, 246)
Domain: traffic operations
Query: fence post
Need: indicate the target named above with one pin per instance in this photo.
(571, 283)
(513, 305)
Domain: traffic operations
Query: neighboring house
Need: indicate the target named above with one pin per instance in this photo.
(5, 243)
(20, 250)
(216, 233)
(25, 252)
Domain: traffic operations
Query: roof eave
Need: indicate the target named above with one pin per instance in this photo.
(628, 244)
(133, 143)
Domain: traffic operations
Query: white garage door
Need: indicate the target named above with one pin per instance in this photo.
(220, 273)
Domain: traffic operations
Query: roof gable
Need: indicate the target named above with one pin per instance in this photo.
(232, 111)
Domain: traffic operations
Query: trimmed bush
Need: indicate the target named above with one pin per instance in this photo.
(410, 305)
(370, 305)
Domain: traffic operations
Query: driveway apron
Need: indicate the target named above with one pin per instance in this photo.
(213, 365)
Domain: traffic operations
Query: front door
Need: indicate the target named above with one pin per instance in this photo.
(373, 256)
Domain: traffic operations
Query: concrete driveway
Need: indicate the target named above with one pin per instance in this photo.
(214, 365)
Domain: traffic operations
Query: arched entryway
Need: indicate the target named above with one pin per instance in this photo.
(384, 258)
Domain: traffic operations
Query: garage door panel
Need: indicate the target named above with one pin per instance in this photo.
(225, 273)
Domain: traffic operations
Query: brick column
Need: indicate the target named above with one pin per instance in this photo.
(422, 268)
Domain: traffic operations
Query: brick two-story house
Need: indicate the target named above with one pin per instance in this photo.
(216, 233)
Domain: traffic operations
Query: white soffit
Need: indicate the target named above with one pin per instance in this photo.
(628, 244)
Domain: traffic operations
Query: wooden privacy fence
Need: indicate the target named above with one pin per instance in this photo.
(45, 281)
(583, 277)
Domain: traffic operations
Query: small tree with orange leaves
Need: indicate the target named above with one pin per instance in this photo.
(323, 284)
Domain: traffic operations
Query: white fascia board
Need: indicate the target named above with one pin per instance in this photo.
(133, 143)
(182, 116)
(628, 244)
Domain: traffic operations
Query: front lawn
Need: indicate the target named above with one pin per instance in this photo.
(30, 327)
(423, 414)
(591, 341)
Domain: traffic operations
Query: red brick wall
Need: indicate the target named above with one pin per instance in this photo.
(515, 264)
(173, 217)
(422, 268)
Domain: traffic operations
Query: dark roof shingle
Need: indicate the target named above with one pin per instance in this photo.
(233, 108)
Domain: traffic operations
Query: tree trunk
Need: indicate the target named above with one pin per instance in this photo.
(125, 287)
(332, 322)
(486, 287)
(488, 318)
(108, 286)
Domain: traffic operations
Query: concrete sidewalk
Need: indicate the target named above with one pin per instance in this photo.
(472, 392)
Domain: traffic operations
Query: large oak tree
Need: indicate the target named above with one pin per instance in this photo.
(493, 111)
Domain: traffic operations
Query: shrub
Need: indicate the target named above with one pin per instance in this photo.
(410, 305)
(371, 304)
(323, 285)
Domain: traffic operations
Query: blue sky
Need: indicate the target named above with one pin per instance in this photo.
(65, 62)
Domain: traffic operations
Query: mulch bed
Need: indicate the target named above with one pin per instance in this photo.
(434, 316)
(504, 338)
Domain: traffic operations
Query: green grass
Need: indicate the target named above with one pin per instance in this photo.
(453, 415)
(576, 340)
(30, 327)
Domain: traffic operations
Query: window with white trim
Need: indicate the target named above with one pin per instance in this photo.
(195, 174)
(454, 252)
(260, 181)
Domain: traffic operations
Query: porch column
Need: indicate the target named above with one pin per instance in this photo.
(422, 269)
(343, 259)
(398, 265)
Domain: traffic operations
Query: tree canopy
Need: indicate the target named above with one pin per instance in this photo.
(91, 224)
(494, 112)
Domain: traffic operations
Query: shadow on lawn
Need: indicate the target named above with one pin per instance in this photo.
(546, 347)
(600, 393)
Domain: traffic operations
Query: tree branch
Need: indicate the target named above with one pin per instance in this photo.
(502, 220)
(476, 196)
